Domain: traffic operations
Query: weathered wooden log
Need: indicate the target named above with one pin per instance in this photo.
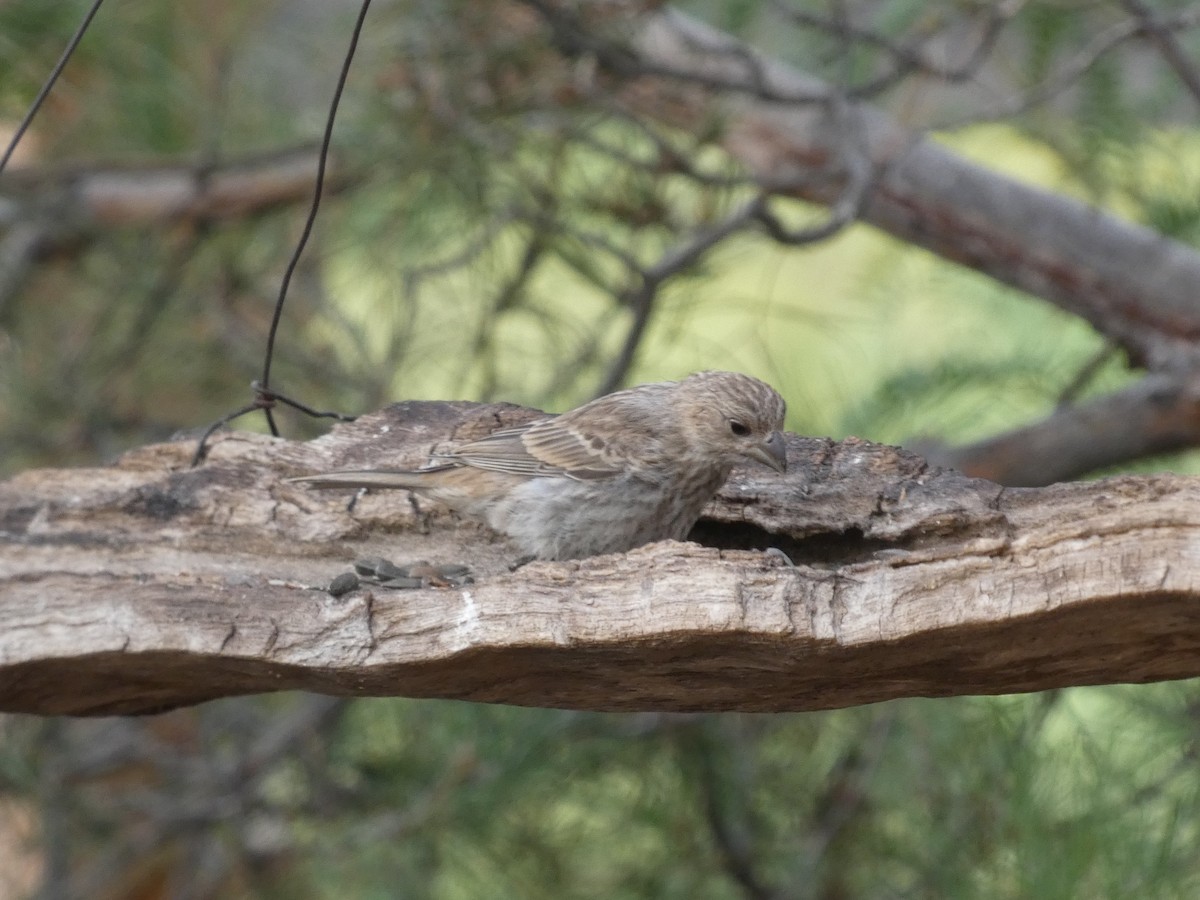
(148, 585)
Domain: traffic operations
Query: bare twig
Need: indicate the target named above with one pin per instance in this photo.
(1172, 52)
(641, 298)
(1086, 373)
(907, 58)
(1073, 69)
(744, 72)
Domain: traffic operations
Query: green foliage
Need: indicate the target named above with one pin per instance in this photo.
(1086, 791)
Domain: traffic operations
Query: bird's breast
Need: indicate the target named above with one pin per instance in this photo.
(558, 518)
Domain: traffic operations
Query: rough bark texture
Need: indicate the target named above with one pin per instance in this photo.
(148, 585)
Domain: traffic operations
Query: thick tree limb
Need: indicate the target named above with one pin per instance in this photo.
(147, 585)
(801, 137)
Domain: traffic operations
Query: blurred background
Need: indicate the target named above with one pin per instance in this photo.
(514, 213)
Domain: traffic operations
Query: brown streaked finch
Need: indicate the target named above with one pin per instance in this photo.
(626, 469)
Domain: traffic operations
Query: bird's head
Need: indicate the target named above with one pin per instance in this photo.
(733, 416)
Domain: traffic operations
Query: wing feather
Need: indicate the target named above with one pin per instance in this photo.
(571, 452)
(540, 448)
(597, 440)
(547, 448)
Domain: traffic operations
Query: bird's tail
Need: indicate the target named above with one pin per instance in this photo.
(397, 479)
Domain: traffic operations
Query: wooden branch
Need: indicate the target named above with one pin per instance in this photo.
(1130, 282)
(1159, 414)
(82, 201)
(147, 585)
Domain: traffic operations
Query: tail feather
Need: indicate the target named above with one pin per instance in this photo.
(395, 479)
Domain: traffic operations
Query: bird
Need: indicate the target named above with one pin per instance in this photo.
(626, 469)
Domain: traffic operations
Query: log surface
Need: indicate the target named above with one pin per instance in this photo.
(147, 585)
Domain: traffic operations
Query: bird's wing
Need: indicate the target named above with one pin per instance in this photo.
(548, 447)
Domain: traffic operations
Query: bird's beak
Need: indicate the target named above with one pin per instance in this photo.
(771, 452)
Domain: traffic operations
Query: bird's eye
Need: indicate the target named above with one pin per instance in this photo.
(738, 428)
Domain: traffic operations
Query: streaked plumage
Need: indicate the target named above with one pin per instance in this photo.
(626, 469)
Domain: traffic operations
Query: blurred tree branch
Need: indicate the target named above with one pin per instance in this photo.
(803, 138)
(814, 140)
(1157, 415)
(48, 213)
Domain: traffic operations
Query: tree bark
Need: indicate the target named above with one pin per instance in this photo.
(147, 585)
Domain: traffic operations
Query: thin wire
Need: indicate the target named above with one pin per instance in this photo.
(265, 381)
(49, 84)
(263, 399)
